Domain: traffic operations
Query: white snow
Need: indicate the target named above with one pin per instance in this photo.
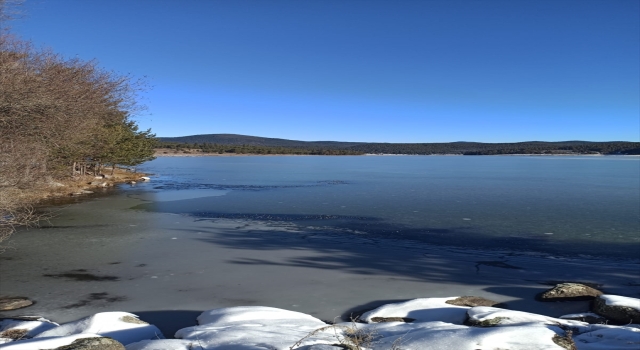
(616, 300)
(605, 337)
(510, 317)
(252, 327)
(246, 314)
(447, 336)
(259, 327)
(422, 310)
(107, 324)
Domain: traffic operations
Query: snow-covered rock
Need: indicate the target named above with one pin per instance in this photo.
(47, 343)
(485, 316)
(253, 327)
(447, 336)
(420, 310)
(246, 314)
(26, 328)
(257, 327)
(619, 309)
(121, 326)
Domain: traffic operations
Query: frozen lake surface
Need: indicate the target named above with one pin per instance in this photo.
(330, 236)
(558, 205)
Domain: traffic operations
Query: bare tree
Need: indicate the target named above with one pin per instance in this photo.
(55, 112)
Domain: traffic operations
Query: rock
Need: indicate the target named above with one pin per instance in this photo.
(617, 314)
(131, 319)
(99, 177)
(472, 301)
(95, 183)
(86, 192)
(569, 292)
(588, 317)
(101, 343)
(491, 322)
(392, 319)
(8, 303)
(14, 334)
(108, 176)
(565, 342)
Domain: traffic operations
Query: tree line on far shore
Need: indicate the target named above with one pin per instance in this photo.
(460, 148)
(213, 148)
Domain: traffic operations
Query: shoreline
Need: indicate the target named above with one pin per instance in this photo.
(157, 154)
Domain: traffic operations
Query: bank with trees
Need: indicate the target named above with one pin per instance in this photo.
(60, 118)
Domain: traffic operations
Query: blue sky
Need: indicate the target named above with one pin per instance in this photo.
(387, 71)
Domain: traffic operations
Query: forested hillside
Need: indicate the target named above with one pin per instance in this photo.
(238, 140)
(229, 143)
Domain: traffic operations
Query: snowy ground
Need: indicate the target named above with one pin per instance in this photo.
(436, 325)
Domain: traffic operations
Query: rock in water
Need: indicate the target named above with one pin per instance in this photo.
(101, 343)
(472, 301)
(617, 309)
(8, 303)
(570, 292)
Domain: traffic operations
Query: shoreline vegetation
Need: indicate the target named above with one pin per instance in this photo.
(63, 123)
(230, 144)
(163, 152)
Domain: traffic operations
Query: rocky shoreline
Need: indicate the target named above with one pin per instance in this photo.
(613, 322)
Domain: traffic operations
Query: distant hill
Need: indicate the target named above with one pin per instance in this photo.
(232, 143)
(237, 140)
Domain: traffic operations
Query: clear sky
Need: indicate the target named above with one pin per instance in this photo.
(387, 71)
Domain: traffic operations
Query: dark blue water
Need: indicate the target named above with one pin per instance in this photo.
(556, 205)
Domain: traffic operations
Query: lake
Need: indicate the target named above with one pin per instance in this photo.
(332, 236)
(558, 205)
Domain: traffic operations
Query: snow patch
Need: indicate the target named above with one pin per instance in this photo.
(108, 324)
(421, 310)
(616, 300)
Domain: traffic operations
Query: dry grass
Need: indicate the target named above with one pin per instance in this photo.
(349, 337)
